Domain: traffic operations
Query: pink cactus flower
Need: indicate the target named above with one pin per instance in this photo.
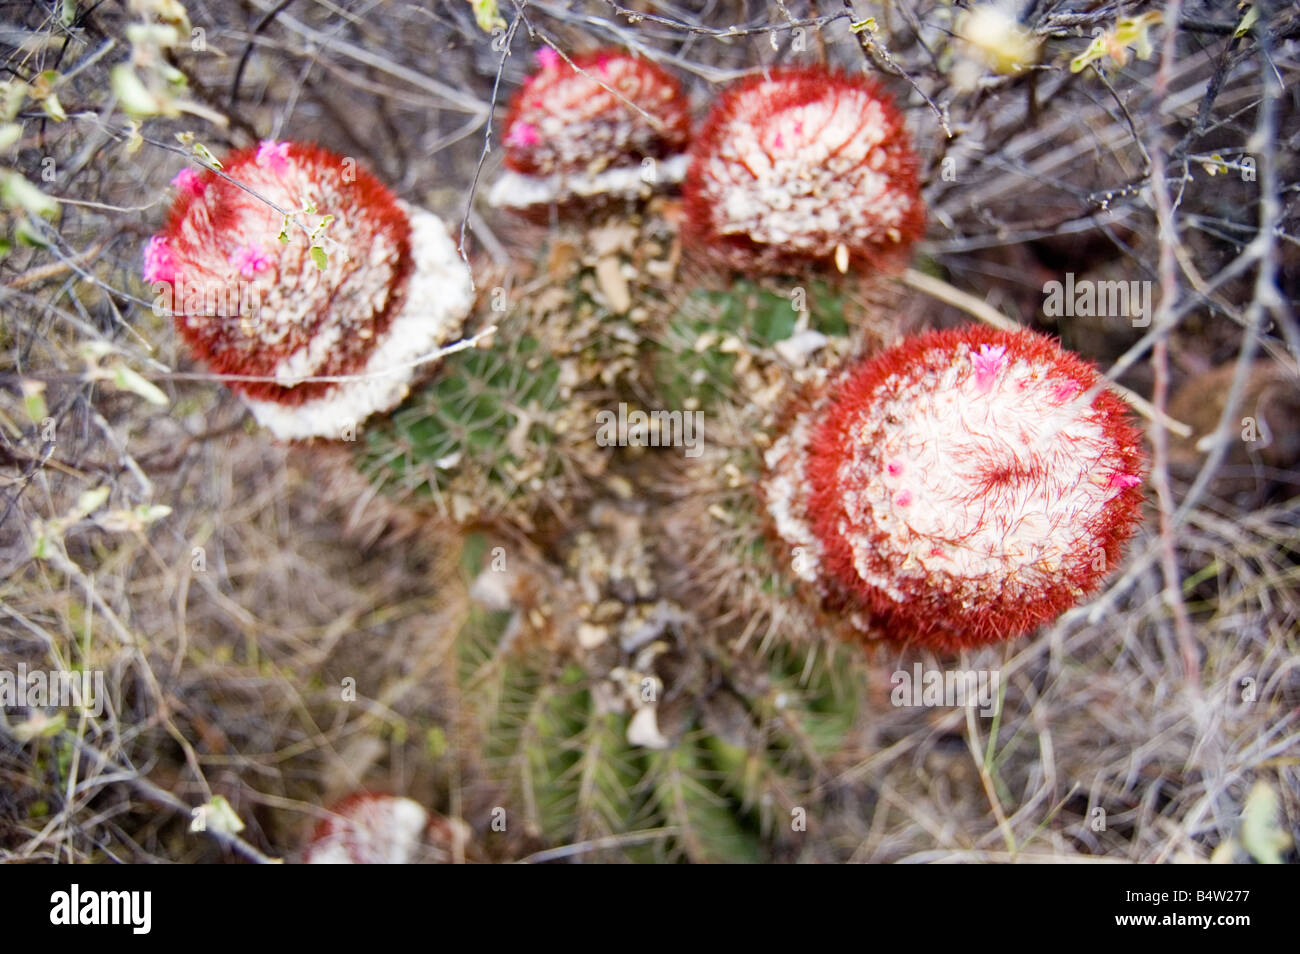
(523, 134)
(250, 260)
(188, 182)
(989, 362)
(273, 155)
(159, 261)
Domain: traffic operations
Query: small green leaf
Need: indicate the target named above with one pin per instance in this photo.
(39, 726)
(17, 193)
(27, 235)
(204, 153)
(152, 35)
(12, 95)
(319, 257)
(87, 503)
(133, 139)
(1247, 22)
(40, 541)
(128, 380)
(217, 815)
(1262, 832)
(10, 133)
(34, 400)
(1114, 43)
(43, 89)
(149, 513)
(53, 108)
(93, 351)
(435, 742)
(177, 80)
(132, 93)
(487, 15)
(1095, 51)
(134, 520)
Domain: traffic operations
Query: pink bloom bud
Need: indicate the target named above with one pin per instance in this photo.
(1123, 481)
(988, 362)
(159, 261)
(250, 260)
(523, 134)
(188, 182)
(273, 155)
(1064, 391)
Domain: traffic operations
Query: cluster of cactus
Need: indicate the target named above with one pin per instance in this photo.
(638, 659)
(610, 697)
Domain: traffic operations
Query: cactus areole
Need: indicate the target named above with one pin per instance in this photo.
(357, 286)
(958, 489)
(803, 167)
(599, 124)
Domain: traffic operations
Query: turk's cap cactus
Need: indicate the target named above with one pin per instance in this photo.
(367, 828)
(600, 124)
(803, 167)
(355, 290)
(959, 488)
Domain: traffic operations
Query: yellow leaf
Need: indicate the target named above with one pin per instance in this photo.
(487, 15)
(1262, 832)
